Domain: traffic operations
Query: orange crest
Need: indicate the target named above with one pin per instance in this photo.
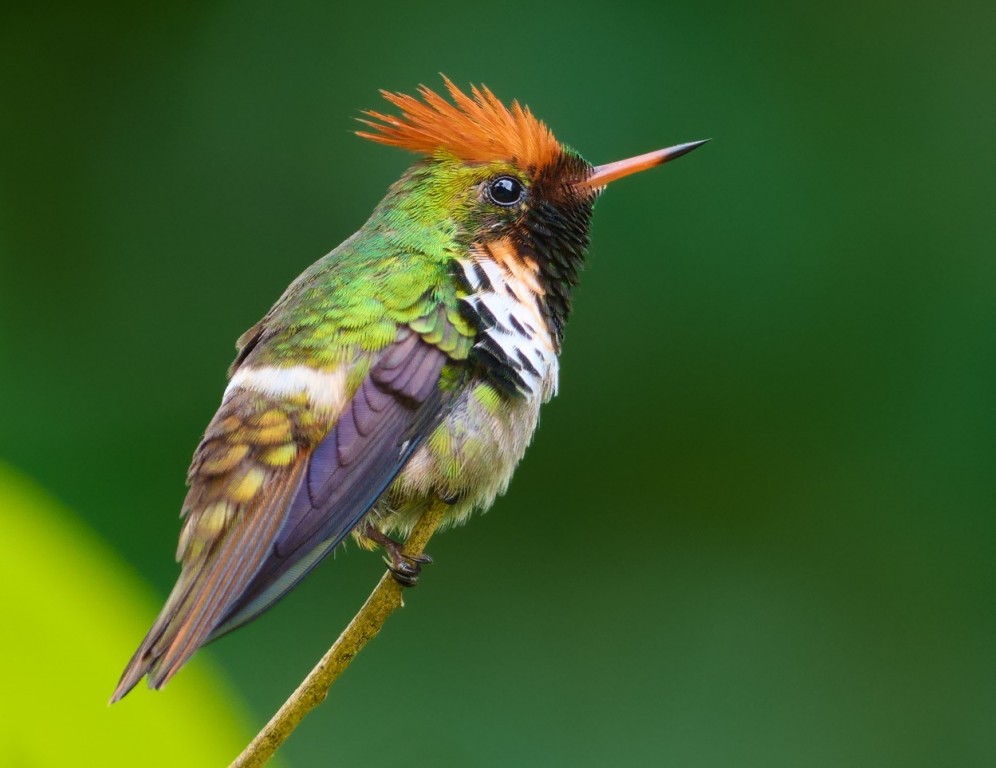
(477, 130)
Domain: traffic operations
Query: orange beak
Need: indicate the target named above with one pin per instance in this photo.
(603, 174)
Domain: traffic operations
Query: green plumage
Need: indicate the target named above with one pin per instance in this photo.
(397, 270)
(405, 369)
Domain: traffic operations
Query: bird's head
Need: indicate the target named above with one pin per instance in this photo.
(494, 173)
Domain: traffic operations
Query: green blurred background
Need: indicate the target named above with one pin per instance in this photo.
(756, 528)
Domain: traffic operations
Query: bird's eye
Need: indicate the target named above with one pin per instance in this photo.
(505, 190)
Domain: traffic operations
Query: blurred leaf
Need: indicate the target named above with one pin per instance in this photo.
(73, 613)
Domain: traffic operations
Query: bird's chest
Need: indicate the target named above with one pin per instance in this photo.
(472, 453)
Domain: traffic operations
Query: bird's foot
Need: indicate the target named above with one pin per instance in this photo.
(403, 567)
(406, 568)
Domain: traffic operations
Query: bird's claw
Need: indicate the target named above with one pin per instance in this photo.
(406, 568)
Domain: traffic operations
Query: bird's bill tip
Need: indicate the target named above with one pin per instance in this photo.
(603, 174)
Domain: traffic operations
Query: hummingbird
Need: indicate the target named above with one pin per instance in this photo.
(403, 371)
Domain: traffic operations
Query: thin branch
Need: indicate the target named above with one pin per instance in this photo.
(383, 601)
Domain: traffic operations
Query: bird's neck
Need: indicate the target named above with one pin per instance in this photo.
(506, 299)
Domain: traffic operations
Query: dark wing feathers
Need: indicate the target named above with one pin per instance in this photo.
(392, 412)
(301, 512)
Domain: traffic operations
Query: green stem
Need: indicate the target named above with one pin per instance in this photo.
(383, 601)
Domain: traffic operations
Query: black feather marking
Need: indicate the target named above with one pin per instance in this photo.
(526, 362)
(517, 325)
(555, 232)
(491, 346)
(484, 282)
(487, 317)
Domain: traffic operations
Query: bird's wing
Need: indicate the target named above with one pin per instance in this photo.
(392, 412)
(274, 487)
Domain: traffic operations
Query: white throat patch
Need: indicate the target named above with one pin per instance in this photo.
(515, 331)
